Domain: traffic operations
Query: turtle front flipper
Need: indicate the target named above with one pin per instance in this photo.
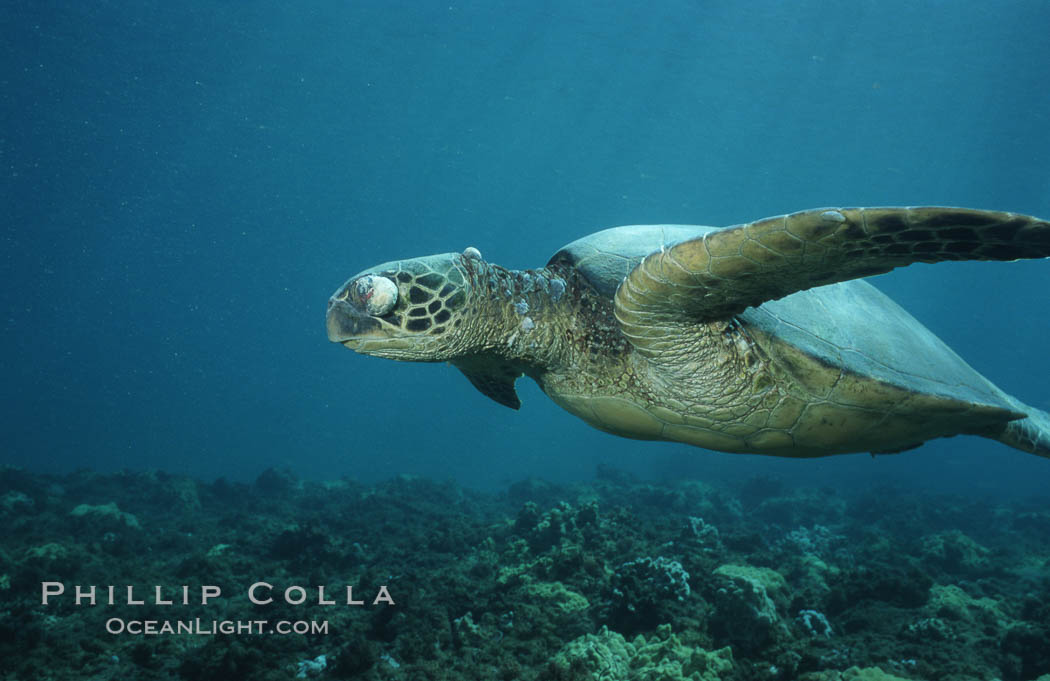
(494, 378)
(726, 271)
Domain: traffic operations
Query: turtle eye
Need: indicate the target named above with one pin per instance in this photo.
(376, 295)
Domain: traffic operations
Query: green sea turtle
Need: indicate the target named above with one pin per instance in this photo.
(750, 338)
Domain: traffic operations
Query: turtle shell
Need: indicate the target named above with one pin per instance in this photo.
(848, 324)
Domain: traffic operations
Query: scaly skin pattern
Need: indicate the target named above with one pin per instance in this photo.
(776, 399)
(548, 324)
(725, 272)
(712, 387)
(768, 397)
(668, 358)
(730, 387)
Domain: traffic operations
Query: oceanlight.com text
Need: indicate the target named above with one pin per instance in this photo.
(205, 627)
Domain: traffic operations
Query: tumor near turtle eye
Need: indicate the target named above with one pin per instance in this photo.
(376, 295)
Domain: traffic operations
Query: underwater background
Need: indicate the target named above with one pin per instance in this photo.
(185, 184)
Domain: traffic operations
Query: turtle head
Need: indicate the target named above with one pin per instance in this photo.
(407, 309)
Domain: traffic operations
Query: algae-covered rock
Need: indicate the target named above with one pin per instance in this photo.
(954, 552)
(217, 550)
(47, 553)
(929, 630)
(897, 585)
(869, 674)
(185, 492)
(47, 562)
(277, 482)
(663, 657)
(15, 501)
(1026, 650)
(548, 529)
(657, 577)
(550, 608)
(809, 574)
(852, 674)
(645, 592)
(953, 603)
(607, 656)
(745, 609)
(765, 579)
(515, 562)
(816, 540)
(105, 514)
(489, 586)
(310, 668)
(466, 632)
(556, 594)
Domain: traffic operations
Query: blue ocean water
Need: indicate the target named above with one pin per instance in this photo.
(186, 183)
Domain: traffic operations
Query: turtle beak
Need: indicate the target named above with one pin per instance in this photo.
(346, 323)
(355, 329)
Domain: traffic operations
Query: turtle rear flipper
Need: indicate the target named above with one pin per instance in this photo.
(1030, 434)
(722, 273)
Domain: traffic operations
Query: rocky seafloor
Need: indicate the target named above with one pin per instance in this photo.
(616, 579)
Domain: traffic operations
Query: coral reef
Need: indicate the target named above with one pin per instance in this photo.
(618, 579)
(661, 657)
(745, 614)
